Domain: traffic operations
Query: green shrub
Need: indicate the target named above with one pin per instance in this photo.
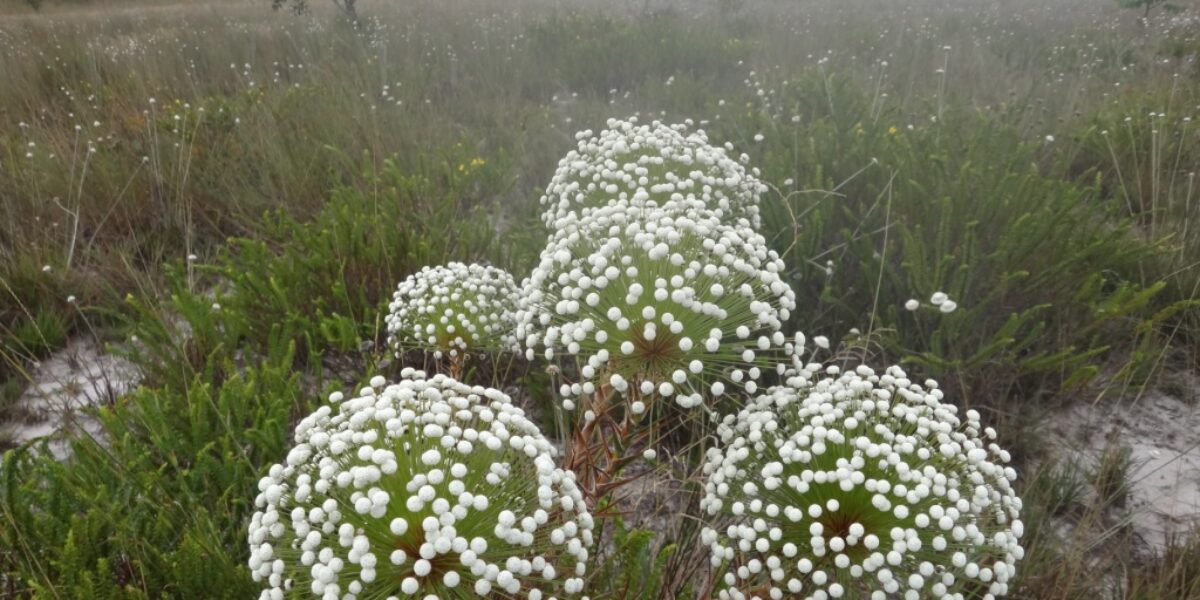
(637, 566)
(158, 506)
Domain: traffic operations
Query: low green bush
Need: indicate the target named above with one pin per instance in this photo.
(157, 507)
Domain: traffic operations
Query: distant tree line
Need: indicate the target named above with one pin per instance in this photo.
(37, 5)
(1148, 6)
(347, 7)
(301, 6)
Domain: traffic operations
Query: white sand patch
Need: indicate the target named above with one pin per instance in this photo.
(80, 376)
(1163, 435)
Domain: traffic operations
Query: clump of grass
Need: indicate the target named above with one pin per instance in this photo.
(911, 213)
(1173, 575)
(10, 410)
(1111, 475)
(1060, 490)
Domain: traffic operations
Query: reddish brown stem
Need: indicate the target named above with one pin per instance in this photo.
(602, 447)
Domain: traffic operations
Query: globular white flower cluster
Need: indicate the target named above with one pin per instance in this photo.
(860, 485)
(664, 302)
(454, 308)
(653, 165)
(428, 488)
(943, 302)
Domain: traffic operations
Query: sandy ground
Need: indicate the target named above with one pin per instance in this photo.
(1162, 433)
(79, 376)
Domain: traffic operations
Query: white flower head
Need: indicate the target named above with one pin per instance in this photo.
(423, 488)
(651, 165)
(666, 302)
(454, 308)
(859, 485)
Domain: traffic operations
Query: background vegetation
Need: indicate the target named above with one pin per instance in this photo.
(227, 194)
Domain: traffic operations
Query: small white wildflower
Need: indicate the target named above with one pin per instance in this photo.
(912, 304)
